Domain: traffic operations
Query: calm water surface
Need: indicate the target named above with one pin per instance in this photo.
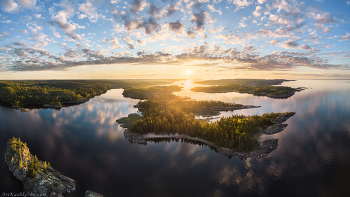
(85, 143)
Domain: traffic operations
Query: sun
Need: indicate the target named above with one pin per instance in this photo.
(188, 72)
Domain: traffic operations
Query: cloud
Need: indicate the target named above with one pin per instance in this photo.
(37, 16)
(24, 31)
(9, 6)
(20, 43)
(325, 18)
(151, 26)
(258, 11)
(90, 11)
(274, 42)
(261, 1)
(290, 44)
(115, 44)
(171, 9)
(190, 34)
(27, 18)
(346, 37)
(4, 34)
(56, 34)
(241, 3)
(153, 9)
(177, 26)
(305, 47)
(243, 59)
(198, 19)
(348, 3)
(61, 20)
(27, 3)
(137, 6)
(212, 9)
(231, 39)
(327, 30)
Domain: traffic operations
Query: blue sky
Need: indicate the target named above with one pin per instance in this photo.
(43, 39)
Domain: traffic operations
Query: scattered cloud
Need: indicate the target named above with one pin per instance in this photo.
(290, 44)
(346, 37)
(9, 6)
(258, 11)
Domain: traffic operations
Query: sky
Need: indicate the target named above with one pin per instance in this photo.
(185, 39)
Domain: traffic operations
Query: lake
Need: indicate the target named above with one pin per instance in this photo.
(85, 143)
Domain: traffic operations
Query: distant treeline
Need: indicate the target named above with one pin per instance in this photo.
(270, 91)
(144, 93)
(257, 87)
(169, 114)
(55, 92)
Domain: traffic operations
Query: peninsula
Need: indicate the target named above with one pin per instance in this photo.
(38, 177)
(257, 87)
(170, 116)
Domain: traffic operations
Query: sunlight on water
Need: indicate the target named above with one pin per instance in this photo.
(85, 143)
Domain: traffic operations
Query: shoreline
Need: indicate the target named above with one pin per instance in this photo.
(262, 150)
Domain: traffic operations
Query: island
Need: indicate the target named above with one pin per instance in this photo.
(38, 177)
(257, 87)
(24, 94)
(170, 116)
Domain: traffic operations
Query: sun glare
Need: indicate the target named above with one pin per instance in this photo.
(188, 72)
(188, 85)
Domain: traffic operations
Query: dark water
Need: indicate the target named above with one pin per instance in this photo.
(85, 143)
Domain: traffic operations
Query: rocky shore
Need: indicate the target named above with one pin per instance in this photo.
(262, 150)
(47, 181)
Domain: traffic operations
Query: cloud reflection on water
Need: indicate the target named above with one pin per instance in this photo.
(310, 149)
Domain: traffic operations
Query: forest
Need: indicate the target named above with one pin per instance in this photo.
(57, 92)
(32, 164)
(269, 91)
(257, 87)
(170, 114)
(144, 93)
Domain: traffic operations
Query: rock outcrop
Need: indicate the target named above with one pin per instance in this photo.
(38, 178)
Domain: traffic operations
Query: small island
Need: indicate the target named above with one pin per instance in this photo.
(38, 177)
(257, 87)
(170, 116)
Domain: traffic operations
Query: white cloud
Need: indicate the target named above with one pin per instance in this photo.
(56, 34)
(37, 16)
(257, 11)
(261, 1)
(90, 11)
(325, 18)
(290, 44)
(241, 3)
(346, 37)
(27, 3)
(4, 34)
(212, 9)
(241, 23)
(114, 1)
(9, 6)
(327, 30)
(115, 44)
(305, 47)
(81, 16)
(348, 3)
(137, 6)
(273, 42)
